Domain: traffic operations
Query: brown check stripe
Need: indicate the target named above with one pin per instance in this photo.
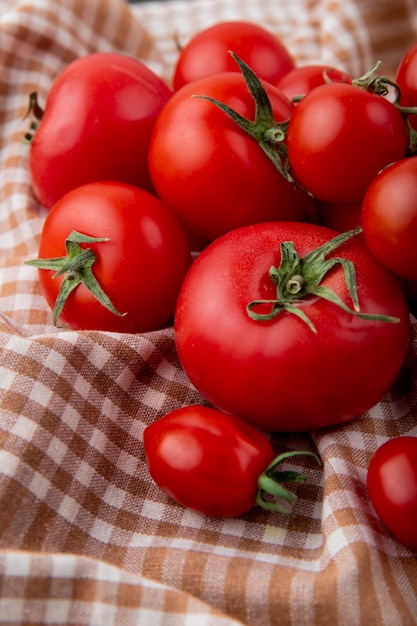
(86, 538)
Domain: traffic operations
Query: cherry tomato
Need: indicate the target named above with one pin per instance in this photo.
(206, 460)
(301, 80)
(258, 341)
(96, 126)
(207, 52)
(389, 217)
(340, 136)
(140, 264)
(392, 487)
(406, 79)
(208, 170)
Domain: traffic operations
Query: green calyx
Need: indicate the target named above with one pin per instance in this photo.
(76, 267)
(37, 112)
(297, 278)
(269, 134)
(270, 483)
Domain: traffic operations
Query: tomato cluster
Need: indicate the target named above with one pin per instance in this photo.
(295, 187)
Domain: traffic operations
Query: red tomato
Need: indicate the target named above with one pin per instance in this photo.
(406, 79)
(299, 81)
(340, 216)
(207, 53)
(389, 217)
(206, 460)
(278, 372)
(340, 136)
(140, 266)
(209, 171)
(392, 487)
(97, 124)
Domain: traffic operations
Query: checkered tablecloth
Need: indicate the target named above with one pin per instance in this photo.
(86, 538)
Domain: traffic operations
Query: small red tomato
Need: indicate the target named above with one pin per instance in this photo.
(300, 80)
(207, 52)
(392, 487)
(389, 218)
(406, 79)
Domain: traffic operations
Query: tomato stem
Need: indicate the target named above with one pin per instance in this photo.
(298, 277)
(76, 266)
(269, 482)
(37, 112)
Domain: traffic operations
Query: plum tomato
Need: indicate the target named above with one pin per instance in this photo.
(111, 257)
(291, 326)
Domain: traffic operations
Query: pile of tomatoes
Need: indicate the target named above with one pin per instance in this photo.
(294, 187)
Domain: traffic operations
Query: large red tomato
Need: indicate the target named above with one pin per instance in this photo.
(340, 136)
(208, 52)
(96, 126)
(259, 338)
(209, 171)
(138, 257)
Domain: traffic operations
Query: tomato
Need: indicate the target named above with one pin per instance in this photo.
(96, 126)
(215, 463)
(392, 487)
(406, 79)
(207, 52)
(258, 340)
(389, 217)
(212, 173)
(300, 80)
(139, 266)
(340, 216)
(340, 136)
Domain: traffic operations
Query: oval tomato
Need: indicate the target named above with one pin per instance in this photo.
(208, 170)
(392, 487)
(406, 79)
(301, 80)
(339, 137)
(140, 264)
(96, 126)
(389, 217)
(207, 52)
(258, 341)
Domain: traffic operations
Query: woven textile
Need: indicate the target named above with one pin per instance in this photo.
(86, 538)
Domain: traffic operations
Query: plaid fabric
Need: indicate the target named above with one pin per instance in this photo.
(86, 538)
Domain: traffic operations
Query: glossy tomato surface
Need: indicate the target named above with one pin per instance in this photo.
(389, 217)
(96, 126)
(339, 137)
(279, 374)
(406, 79)
(302, 79)
(207, 460)
(207, 52)
(209, 171)
(392, 487)
(140, 268)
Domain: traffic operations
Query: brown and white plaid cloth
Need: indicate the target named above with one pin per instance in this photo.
(86, 538)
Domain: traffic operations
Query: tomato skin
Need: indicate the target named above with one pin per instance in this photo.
(339, 137)
(389, 217)
(140, 268)
(279, 375)
(96, 126)
(301, 80)
(392, 487)
(211, 173)
(340, 216)
(406, 79)
(206, 460)
(207, 53)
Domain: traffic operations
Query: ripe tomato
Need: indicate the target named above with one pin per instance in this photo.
(244, 346)
(207, 52)
(140, 265)
(406, 79)
(340, 136)
(389, 217)
(96, 126)
(301, 80)
(208, 170)
(340, 216)
(215, 463)
(392, 487)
